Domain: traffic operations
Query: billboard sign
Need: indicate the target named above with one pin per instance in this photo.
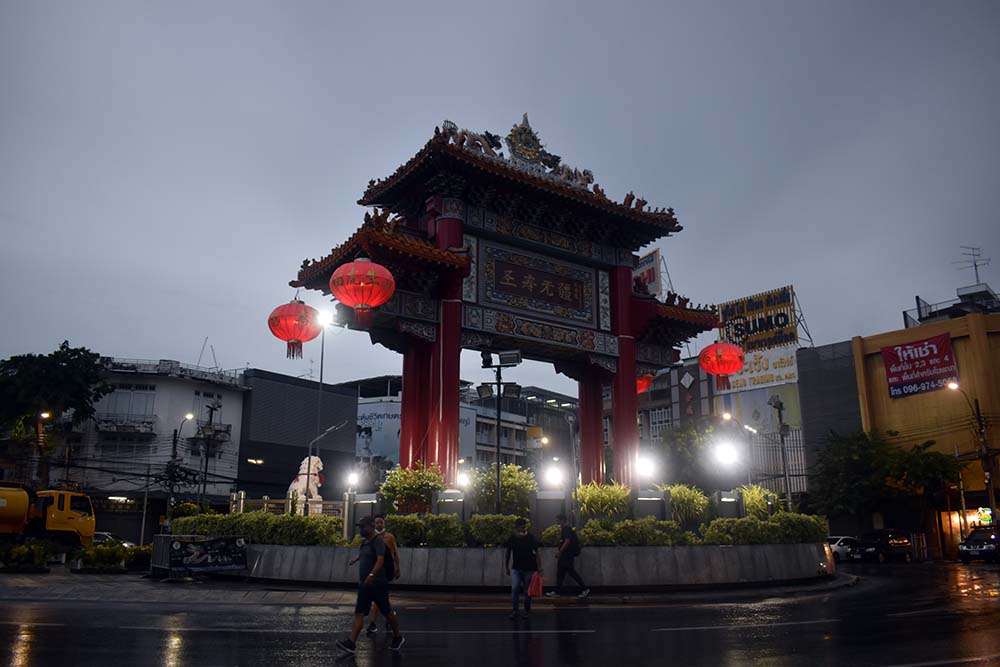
(763, 368)
(761, 321)
(379, 425)
(217, 554)
(647, 271)
(920, 366)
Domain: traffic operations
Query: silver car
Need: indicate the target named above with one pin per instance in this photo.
(841, 545)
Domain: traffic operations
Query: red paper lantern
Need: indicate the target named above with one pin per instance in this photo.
(643, 382)
(294, 323)
(721, 359)
(362, 285)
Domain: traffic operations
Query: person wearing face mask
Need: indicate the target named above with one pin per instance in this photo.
(373, 589)
(390, 567)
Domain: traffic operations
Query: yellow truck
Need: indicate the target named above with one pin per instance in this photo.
(66, 517)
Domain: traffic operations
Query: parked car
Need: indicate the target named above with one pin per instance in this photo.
(111, 538)
(883, 545)
(980, 543)
(841, 546)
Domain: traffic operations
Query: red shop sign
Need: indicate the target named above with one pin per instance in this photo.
(919, 366)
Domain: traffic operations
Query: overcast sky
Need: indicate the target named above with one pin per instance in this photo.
(166, 166)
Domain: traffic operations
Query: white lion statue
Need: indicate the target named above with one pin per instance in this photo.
(306, 484)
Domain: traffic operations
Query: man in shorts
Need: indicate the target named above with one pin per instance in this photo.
(373, 589)
(390, 567)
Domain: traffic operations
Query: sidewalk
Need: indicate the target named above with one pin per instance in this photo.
(61, 585)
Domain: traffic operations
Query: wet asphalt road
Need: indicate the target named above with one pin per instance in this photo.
(917, 615)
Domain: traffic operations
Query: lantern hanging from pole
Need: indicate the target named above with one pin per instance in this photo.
(362, 285)
(721, 359)
(294, 323)
(643, 382)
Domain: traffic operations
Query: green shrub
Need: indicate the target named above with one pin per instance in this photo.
(551, 535)
(410, 490)
(408, 529)
(356, 542)
(490, 530)
(264, 528)
(20, 555)
(638, 533)
(782, 528)
(138, 558)
(516, 486)
(755, 500)
(102, 555)
(444, 530)
(185, 509)
(688, 504)
(796, 528)
(598, 532)
(604, 500)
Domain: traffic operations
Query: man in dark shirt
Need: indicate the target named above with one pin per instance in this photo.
(527, 560)
(374, 587)
(569, 548)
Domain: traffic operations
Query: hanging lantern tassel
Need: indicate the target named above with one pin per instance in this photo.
(294, 323)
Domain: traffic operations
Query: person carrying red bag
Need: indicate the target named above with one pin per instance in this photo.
(527, 561)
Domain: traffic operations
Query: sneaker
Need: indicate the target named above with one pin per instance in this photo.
(396, 643)
(584, 593)
(347, 646)
(551, 594)
(512, 615)
(371, 630)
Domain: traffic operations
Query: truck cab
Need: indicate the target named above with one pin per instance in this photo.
(66, 516)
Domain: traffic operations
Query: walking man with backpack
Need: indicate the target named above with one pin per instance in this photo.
(569, 549)
(373, 589)
(391, 567)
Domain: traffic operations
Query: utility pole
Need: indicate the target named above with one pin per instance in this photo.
(778, 405)
(145, 502)
(209, 436)
(987, 459)
(499, 391)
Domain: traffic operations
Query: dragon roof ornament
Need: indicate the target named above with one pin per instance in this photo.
(526, 152)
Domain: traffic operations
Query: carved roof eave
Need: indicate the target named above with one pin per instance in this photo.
(378, 244)
(379, 192)
(682, 323)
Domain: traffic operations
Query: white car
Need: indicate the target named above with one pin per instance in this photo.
(841, 545)
(111, 538)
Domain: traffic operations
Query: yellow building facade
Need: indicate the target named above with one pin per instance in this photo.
(942, 415)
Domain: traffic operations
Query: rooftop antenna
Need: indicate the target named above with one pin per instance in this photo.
(800, 320)
(974, 261)
(202, 354)
(216, 361)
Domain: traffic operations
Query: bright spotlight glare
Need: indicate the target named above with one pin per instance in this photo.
(727, 416)
(726, 454)
(352, 478)
(554, 475)
(953, 385)
(325, 318)
(463, 479)
(189, 416)
(645, 466)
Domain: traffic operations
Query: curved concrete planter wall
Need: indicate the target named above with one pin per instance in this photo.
(603, 567)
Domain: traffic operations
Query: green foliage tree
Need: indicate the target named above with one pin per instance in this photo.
(410, 490)
(857, 474)
(64, 383)
(685, 450)
(516, 485)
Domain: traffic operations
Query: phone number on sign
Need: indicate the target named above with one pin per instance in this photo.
(919, 387)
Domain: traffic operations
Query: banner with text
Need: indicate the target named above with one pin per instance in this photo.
(761, 321)
(923, 365)
(763, 368)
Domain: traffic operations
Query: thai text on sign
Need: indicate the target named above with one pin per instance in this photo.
(919, 366)
(763, 368)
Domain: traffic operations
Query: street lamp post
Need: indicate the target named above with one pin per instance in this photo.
(325, 319)
(505, 360)
(749, 430)
(985, 454)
